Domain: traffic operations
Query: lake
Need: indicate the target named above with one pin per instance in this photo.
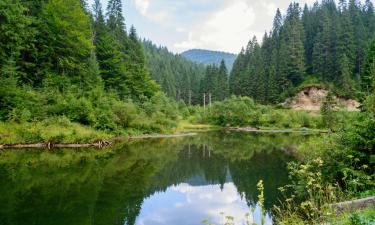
(146, 182)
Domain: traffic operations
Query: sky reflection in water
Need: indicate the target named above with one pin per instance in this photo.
(184, 203)
(176, 181)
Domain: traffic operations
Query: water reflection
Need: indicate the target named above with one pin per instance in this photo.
(169, 181)
(187, 204)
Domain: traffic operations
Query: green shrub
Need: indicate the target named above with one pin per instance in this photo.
(234, 111)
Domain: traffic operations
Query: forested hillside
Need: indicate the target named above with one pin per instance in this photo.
(208, 57)
(323, 44)
(63, 61)
(178, 77)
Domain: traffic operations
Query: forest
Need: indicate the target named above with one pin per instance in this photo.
(74, 73)
(323, 44)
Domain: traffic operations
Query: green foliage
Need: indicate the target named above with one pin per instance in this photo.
(215, 83)
(243, 111)
(355, 219)
(368, 72)
(327, 110)
(14, 36)
(54, 129)
(326, 43)
(235, 111)
(178, 77)
(311, 194)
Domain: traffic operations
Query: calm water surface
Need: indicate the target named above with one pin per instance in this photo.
(176, 181)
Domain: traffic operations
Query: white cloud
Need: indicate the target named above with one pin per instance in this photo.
(270, 7)
(225, 25)
(142, 6)
(227, 29)
(188, 204)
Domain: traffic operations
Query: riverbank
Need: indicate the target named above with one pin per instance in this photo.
(273, 130)
(72, 135)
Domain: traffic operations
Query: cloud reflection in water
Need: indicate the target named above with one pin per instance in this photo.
(185, 204)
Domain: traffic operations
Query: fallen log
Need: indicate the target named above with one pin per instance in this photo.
(51, 145)
(162, 136)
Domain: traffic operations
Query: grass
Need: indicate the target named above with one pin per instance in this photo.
(54, 130)
(185, 126)
(359, 217)
(61, 130)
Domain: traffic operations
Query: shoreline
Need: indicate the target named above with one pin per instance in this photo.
(99, 144)
(105, 143)
(256, 130)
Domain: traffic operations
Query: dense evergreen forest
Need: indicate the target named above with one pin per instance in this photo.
(184, 80)
(56, 48)
(324, 43)
(178, 77)
(65, 61)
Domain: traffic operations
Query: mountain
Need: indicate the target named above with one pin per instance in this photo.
(210, 57)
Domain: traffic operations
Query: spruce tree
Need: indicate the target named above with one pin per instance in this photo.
(69, 40)
(292, 48)
(116, 20)
(327, 110)
(223, 85)
(368, 70)
(138, 79)
(346, 81)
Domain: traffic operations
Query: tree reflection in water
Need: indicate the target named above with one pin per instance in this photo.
(91, 186)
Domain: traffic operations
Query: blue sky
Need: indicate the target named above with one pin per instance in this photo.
(223, 25)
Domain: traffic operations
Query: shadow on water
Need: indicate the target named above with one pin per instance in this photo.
(127, 183)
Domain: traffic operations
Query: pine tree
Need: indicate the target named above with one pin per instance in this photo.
(369, 18)
(359, 32)
(235, 79)
(346, 81)
(116, 21)
(310, 33)
(138, 80)
(346, 43)
(343, 6)
(14, 36)
(223, 85)
(69, 39)
(277, 23)
(292, 46)
(368, 70)
(327, 110)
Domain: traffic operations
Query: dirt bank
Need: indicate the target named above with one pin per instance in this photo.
(311, 99)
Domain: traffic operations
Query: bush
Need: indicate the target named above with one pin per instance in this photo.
(235, 111)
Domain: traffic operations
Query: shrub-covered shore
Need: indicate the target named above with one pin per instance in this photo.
(73, 120)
